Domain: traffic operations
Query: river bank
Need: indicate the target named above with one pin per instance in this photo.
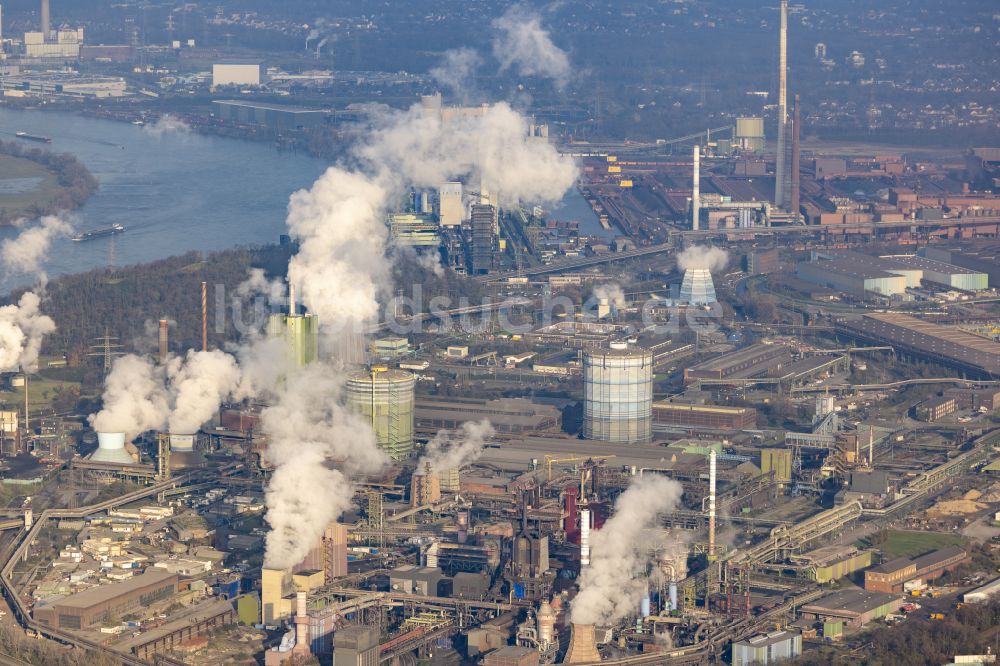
(36, 182)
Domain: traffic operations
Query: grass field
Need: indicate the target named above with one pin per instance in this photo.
(40, 394)
(16, 204)
(900, 543)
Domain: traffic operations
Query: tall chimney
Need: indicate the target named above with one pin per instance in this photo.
(696, 188)
(204, 316)
(45, 20)
(301, 626)
(795, 159)
(584, 535)
(164, 340)
(291, 298)
(711, 504)
(871, 447)
(780, 166)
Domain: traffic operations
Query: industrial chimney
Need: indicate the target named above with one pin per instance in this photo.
(582, 645)
(796, 158)
(584, 535)
(46, 29)
(696, 188)
(781, 180)
(301, 626)
(711, 505)
(164, 340)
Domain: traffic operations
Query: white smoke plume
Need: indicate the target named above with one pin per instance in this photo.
(702, 256)
(457, 73)
(22, 327)
(199, 382)
(493, 147)
(309, 429)
(135, 398)
(521, 42)
(611, 291)
(167, 124)
(257, 284)
(453, 449)
(341, 273)
(614, 583)
(24, 254)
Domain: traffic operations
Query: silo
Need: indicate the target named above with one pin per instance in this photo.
(618, 394)
(386, 398)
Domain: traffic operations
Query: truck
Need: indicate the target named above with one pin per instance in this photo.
(937, 616)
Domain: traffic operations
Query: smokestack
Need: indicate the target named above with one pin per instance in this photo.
(301, 626)
(696, 188)
(164, 340)
(780, 166)
(584, 536)
(291, 298)
(795, 159)
(582, 645)
(711, 504)
(871, 447)
(45, 20)
(204, 316)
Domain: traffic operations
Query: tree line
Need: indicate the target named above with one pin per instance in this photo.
(75, 181)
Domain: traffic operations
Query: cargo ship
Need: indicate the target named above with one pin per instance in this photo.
(32, 137)
(99, 233)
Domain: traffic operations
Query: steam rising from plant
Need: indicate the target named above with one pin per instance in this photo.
(22, 327)
(523, 43)
(24, 254)
(702, 256)
(610, 291)
(457, 73)
(614, 583)
(310, 429)
(135, 398)
(453, 449)
(199, 383)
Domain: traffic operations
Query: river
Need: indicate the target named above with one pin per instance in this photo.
(176, 191)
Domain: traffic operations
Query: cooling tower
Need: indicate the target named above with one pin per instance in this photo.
(697, 287)
(385, 397)
(582, 645)
(618, 394)
(111, 449)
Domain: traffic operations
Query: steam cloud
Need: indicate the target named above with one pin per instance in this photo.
(135, 398)
(452, 449)
(309, 427)
(167, 124)
(523, 43)
(22, 327)
(702, 256)
(199, 383)
(614, 583)
(611, 291)
(24, 254)
(457, 73)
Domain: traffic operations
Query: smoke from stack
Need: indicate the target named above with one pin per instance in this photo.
(702, 256)
(135, 398)
(614, 583)
(523, 44)
(24, 253)
(611, 291)
(308, 427)
(453, 449)
(22, 328)
(199, 382)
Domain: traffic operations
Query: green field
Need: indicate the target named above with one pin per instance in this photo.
(13, 205)
(900, 543)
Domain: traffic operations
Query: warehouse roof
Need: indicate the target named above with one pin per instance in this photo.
(851, 602)
(940, 556)
(892, 566)
(98, 595)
